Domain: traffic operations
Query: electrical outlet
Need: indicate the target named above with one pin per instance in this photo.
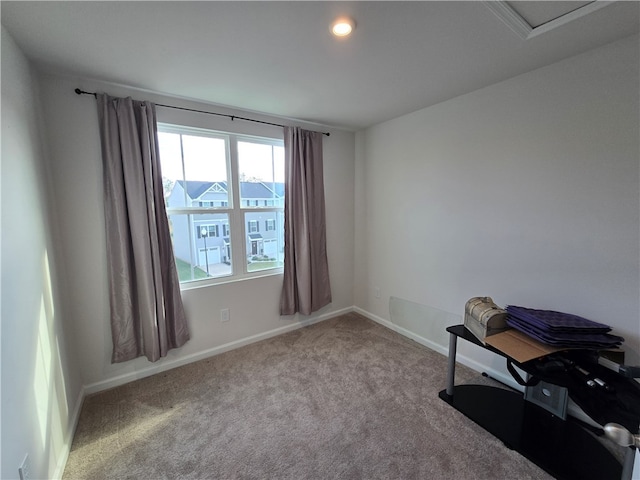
(24, 470)
(224, 315)
(376, 292)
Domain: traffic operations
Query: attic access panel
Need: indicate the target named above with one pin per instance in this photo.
(529, 19)
(539, 13)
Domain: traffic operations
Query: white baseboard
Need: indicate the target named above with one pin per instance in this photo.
(463, 359)
(178, 362)
(194, 357)
(403, 331)
(152, 370)
(66, 448)
(122, 379)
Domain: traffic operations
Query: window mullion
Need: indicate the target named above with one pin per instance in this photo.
(193, 249)
(183, 169)
(238, 234)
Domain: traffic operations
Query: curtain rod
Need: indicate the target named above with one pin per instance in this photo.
(232, 117)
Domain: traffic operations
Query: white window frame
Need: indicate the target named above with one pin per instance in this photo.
(234, 209)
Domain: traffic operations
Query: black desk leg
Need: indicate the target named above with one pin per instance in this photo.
(451, 371)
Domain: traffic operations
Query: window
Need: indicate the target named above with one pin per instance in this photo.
(219, 189)
(214, 203)
(270, 225)
(206, 230)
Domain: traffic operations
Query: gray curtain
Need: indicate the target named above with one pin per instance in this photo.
(147, 316)
(306, 285)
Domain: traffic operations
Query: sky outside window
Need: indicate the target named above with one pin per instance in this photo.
(260, 162)
(205, 159)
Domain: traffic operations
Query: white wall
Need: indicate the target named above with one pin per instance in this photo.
(40, 381)
(527, 191)
(72, 133)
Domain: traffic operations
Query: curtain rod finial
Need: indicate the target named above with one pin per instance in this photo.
(82, 92)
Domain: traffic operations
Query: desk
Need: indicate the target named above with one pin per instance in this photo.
(563, 448)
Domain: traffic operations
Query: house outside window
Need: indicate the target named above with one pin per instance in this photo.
(219, 187)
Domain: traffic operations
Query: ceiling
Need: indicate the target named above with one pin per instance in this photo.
(279, 57)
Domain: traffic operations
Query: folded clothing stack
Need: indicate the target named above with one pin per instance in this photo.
(562, 330)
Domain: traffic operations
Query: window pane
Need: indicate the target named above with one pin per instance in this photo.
(261, 173)
(265, 246)
(171, 166)
(200, 245)
(194, 170)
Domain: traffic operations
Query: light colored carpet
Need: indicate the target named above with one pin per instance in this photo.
(342, 399)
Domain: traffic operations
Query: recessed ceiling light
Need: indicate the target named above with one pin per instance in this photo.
(343, 26)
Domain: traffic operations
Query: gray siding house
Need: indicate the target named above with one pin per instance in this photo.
(204, 239)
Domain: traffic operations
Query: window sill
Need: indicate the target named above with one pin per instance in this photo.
(212, 282)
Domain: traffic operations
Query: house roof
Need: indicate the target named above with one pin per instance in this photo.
(195, 189)
(278, 188)
(255, 190)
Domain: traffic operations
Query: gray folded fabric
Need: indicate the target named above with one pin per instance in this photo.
(567, 339)
(550, 320)
(560, 329)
